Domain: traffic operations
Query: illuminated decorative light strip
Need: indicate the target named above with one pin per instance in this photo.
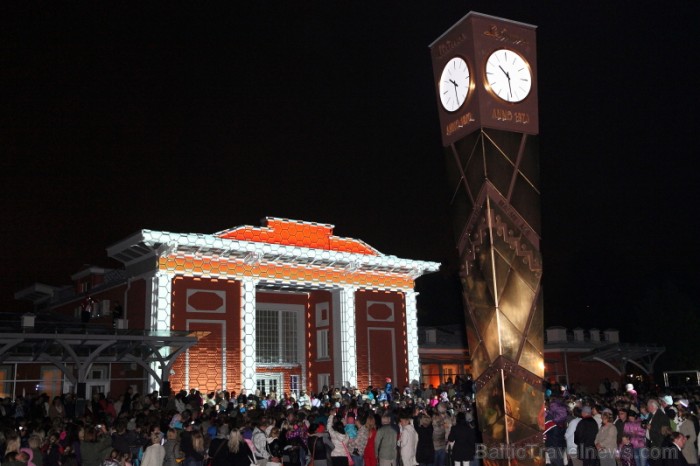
(248, 334)
(212, 245)
(312, 276)
(348, 335)
(412, 335)
(161, 288)
(298, 233)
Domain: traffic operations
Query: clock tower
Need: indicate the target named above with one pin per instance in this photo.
(485, 73)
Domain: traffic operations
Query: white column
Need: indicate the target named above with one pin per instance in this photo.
(412, 335)
(160, 316)
(248, 333)
(348, 335)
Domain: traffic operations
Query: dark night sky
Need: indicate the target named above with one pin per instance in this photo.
(117, 118)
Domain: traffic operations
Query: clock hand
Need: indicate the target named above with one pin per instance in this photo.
(455, 85)
(510, 90)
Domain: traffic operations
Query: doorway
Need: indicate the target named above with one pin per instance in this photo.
(269, 383)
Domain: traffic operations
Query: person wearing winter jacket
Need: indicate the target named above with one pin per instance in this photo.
(425, 453)
(385, 442)
(336, 429)
(408, 442)
(463, 439)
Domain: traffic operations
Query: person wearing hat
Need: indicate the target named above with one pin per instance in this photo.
(666, 402)
(685, 426)
(389, 390)
(584, 437)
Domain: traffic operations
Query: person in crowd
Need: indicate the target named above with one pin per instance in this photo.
(606, 440)
(442, 423)
(369, 456)
(239, 453)
(52, 456)
(585, 436)
(195, 453)
(462, 439)
(659, 426)
(30, 455)
(637, 436)
(340, 455)
(685, 426)
(408, 440)
(154, 454)
(275, 446)
(673, 450)
(554, 442)
(95, 446)
(385, 442)
(358, 444)
(12, 445)
(34, 443)
(218, 446)
(259, 439)
(320, 445)
(14, 458)
(571, 449)
(57, 410)
(173, 455)
(620, 423)
(627, 451)
(425, 452)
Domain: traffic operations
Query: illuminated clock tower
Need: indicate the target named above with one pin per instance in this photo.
(485, 71)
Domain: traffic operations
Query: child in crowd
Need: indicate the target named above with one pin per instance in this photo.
(626, 451)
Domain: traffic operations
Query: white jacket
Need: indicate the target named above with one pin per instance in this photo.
(340, 441)
(409, 443)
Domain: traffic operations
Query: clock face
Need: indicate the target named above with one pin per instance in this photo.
(454, 84)
(508, 75)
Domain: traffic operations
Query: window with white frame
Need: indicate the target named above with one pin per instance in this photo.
(324, 380)
(276, 337)
(294, 385)
(322, 344)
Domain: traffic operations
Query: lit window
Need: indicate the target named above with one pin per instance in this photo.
(322, 344)
(294, 385)
(276, 337)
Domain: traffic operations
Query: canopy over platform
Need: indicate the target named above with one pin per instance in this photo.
(616, 356)
(67, 344)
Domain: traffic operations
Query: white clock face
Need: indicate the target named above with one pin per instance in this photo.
(508, 75)
(454, 84)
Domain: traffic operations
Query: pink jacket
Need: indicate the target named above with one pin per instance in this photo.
(636, 432)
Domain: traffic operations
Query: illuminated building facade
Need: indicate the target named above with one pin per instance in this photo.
(282, 307)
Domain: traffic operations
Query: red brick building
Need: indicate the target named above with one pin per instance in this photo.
(280, 307)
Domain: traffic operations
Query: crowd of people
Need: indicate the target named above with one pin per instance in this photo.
(337, 427)
(622, 427)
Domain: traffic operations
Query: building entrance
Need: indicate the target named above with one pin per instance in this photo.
(268, 383)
